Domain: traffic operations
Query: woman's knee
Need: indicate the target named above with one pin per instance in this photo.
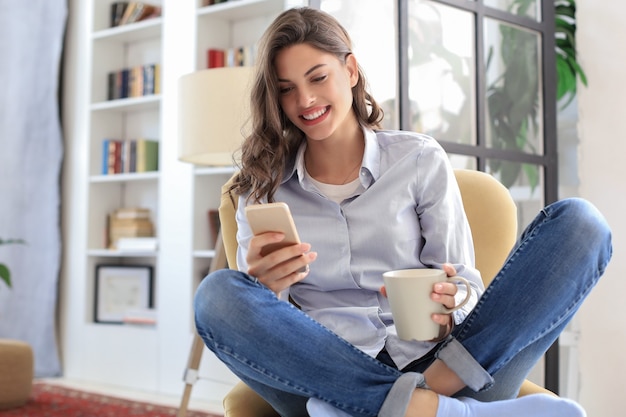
(579, 216)
(584, 226)
(587, 221)
(217, 293)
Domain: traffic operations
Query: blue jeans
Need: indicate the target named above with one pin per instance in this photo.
(287, 357)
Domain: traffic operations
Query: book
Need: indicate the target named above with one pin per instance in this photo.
(129, 156)
(157, 78)
(132, 162)
(136, 11)
(105, 157)
(241, 56)
(131, 228)
(151, 12)
(124, 82)
(128, 11)
(112, 156)
(111, 83)
(117, 12)
(135, 81)
(130, 222)
(148, 79)
(215, 58)
(147, 155)
(132, 213)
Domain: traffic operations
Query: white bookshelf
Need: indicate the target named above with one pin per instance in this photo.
(144, 358)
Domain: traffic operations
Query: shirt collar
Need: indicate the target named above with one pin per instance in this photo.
(370, 164)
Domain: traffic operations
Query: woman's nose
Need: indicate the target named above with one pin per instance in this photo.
(305, 98)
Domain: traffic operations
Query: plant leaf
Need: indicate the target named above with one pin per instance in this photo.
(5, 275)
(11, 241)
(532, 172)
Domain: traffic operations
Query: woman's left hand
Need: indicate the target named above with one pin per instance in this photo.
(444, 292)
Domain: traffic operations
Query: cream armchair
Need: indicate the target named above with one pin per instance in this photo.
(492, 216)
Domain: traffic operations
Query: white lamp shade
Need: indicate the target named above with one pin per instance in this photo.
(213, 108)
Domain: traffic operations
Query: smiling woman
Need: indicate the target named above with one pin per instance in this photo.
(314, 125)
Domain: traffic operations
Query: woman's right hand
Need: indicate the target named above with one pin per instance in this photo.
(278, 270)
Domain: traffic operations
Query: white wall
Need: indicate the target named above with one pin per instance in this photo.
(602, 110)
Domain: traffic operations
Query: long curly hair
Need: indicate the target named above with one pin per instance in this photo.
(265, 152)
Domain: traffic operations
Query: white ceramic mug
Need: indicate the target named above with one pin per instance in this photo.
(408, 291)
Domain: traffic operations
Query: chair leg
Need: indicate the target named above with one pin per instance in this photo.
(191, 373)
(197, 346)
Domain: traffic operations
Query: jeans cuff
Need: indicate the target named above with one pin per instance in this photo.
(459, 360)
(397, 400)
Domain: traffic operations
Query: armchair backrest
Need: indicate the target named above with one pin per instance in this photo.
(490, 210)
(492, 216)
(228, 224)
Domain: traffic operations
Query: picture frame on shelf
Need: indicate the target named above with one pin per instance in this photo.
(119, 289)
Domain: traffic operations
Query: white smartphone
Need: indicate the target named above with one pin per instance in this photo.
(273, 217)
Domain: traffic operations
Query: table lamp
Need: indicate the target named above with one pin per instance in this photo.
(213, 110)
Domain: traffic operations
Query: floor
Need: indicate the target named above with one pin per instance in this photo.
(171, 401)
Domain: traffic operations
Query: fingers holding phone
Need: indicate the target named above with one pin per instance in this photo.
(276, 257)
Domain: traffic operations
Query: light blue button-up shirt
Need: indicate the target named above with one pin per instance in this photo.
(407, 213)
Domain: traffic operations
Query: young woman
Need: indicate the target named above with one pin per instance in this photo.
(366, 201)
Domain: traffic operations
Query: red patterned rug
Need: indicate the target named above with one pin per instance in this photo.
(56, 401)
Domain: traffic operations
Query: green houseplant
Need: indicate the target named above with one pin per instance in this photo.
(5, 274)
(513, 79)
(513, 96)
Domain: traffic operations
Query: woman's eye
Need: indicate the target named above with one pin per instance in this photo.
(284, 90)
(319, 79)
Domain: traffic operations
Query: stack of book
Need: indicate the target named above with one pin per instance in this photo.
(129, 156)
(125, 12)
(137, 81)
(244, 56)
(212, 2)
(129, 223)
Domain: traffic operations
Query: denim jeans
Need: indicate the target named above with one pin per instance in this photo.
(287, 357)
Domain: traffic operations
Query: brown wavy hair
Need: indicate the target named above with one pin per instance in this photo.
(265, 152)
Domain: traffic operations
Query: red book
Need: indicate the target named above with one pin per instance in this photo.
(215, 58)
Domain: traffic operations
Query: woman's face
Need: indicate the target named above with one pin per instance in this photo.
(315, 90)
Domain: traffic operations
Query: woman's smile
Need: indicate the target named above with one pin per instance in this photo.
(314, 116)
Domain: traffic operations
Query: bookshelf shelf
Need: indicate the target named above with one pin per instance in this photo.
(148, 102)
(111, 253)
(134, 32)
(120, 178)
(241, 9)
(208, 254)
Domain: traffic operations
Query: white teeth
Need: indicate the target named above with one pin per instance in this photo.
(314, 115)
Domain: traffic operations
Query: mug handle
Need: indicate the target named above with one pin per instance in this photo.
(467, 296)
